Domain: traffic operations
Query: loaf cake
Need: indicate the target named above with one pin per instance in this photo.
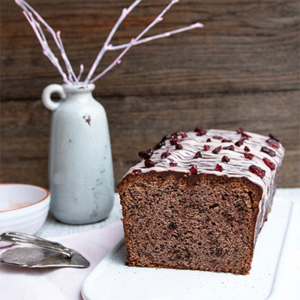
(198, 200)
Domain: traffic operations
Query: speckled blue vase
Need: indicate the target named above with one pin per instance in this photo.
(80, 161)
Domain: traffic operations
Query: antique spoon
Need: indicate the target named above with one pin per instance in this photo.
(40, 254)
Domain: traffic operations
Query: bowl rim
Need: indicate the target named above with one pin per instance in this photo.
(27, 184)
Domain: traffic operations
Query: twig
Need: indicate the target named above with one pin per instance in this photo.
(124, 14)
(133, 41)
(33, 17)
(80, 72)
(28, 11)
(158, 36)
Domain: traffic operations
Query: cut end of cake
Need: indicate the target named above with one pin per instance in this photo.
(198, 222)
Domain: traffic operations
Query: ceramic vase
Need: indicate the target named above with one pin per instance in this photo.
(80, 162)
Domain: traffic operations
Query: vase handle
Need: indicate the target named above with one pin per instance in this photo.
(48, 91)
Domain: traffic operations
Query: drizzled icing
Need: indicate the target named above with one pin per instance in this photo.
(238, 166)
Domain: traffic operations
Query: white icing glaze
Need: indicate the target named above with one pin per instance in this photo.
(238, 166)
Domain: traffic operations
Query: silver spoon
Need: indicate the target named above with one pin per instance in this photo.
(40, 254)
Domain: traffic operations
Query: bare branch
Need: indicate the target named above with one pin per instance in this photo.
(46, 49)
(135, 41)
(34, 18)
(40, 35)
(158, 36)
(124, 14)
(80, 72)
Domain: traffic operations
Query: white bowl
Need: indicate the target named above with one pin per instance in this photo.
(23, 208)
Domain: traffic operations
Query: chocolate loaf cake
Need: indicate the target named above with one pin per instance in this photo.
(199, 199)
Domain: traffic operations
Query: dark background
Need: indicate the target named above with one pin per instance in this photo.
(241, 69)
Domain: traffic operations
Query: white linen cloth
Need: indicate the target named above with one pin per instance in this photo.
(18, 283)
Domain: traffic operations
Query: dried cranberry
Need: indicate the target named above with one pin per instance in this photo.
(183, 134)
(166, 137)
(240, 130)
(149, 163)
(274, 137)
(198, 128)
(257, 170)
(174, 141)
(193, 169)
(226, 141)
(201, 132)
(225, 159)
(178, 147)
(247, 149)
(246, 136)
(173, 164)
(145, 154)
(165, 154)
(273, 143)
(249, 155)
(217, 150)
(208, 140)
(176, 134)
(136, 171)
(268, 151)
(159, 145)
(217, 137)
(239, 143)
(219, 168)
(269, 163)
(198, 155)
(231, 147)
(206, 147)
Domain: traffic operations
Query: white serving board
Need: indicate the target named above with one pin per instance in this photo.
(275, 272)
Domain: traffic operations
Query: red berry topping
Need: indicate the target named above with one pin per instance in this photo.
(145, 154)
(206, 147)
(165, 154)
(198, 155)
(249, 155)
(246, 136)
(200, 133)
(274, 137)
(174, 141)
(178, 147)
(226, 141)
(136, 171)
(159, 145)
(198, 128)
(257, 170)
(240, 130)
(208, 140)
(247, 149)
(268, 151)
(149, 163)
(217, 137)
(176, 134)
(173, 164)
(269, 163)
(219, 168)
(183, 134)
(273, 143)
(217, 150)
(239, 143)
(193, 169)
(225, 159)
(166, 137)
(231, 147)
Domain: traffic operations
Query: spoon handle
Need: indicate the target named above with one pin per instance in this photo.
(33, 241)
